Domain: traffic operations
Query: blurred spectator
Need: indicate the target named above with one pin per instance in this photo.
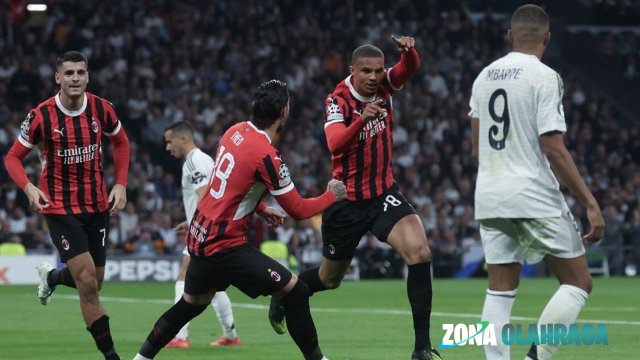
(13, 247)
(157, 70)
(613, 242)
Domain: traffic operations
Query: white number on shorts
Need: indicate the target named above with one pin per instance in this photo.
(104, 234)
(221, 159)
(391, 200)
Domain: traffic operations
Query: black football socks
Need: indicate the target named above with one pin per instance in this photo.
(420, 294)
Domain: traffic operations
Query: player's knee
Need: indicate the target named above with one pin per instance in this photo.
(86, 282)
(332, 283)
(417, 253)
(299, 292)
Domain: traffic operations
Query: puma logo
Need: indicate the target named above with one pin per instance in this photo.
(61, 132)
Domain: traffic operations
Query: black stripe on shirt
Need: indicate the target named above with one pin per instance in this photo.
(359, 161)
(64, 169)
(93, 168)
(385, 159)
(77, 126)
(373, 177)
(49, 153)
(271, 171)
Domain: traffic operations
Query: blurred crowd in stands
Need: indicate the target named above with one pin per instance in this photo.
(164, 61)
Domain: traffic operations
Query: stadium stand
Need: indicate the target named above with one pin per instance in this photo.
(161, 62)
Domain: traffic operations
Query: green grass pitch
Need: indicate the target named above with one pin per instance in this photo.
(359, 321)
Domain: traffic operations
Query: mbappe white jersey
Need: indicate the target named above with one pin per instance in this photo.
(516, 98)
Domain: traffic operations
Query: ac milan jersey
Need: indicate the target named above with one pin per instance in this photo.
(246, 166)
(69, 144)
(365, 167)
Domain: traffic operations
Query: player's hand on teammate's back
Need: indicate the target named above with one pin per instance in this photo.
(37, 199)
(404, 43)
(373, 110)
(338, 188)
(596, 223)
(272, 216)
(181, 229)
(117, 197)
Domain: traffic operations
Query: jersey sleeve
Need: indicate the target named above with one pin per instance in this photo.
(199, 169)
(110, 124)
(31, 129)
(273, 171)
(550, 112)
(335, 110)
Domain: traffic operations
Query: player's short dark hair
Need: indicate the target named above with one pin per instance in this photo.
(182, 127)
(268, 101)
(71, 56)
(366, 51)
(531, 21)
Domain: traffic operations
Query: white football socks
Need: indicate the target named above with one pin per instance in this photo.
(497, 310)
(222, 306)
(563, 308)
(183, 334)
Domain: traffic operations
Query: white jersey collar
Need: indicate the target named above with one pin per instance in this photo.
(355, 93)
(71, 112)
(260, 131)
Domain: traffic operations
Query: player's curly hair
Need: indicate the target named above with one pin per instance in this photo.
(269, 100)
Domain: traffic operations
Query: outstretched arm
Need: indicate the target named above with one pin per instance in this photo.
(409, 62)
(300, 208)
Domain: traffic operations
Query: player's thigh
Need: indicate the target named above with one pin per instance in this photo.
(388, 212)
(68, 235)
(184, 265)
(559, 237)
(97, 229)
(500, 242)
(254, 273)
(203, 277)
(409, 239)
(343, 225)
(83, 270)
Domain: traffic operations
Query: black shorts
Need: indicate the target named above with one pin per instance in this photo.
(77, 234)
(244, 267)
(345, 222)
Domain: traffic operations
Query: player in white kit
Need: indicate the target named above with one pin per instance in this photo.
(196, 172)
(517, 135)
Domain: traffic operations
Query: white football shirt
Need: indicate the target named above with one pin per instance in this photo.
(516, 98)
(196, 172)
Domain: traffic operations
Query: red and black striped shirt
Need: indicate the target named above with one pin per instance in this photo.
(364, 165)
(70, 152)
(361, 151)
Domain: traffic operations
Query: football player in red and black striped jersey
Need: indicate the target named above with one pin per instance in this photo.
(67, 130)
(247, 165)
(358, 128)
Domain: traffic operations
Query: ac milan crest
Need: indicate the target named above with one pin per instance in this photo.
(94, 126)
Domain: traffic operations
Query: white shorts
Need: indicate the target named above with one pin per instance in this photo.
(516, 240)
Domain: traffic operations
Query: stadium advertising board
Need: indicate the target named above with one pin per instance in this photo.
(22, 269)
(141, 269)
